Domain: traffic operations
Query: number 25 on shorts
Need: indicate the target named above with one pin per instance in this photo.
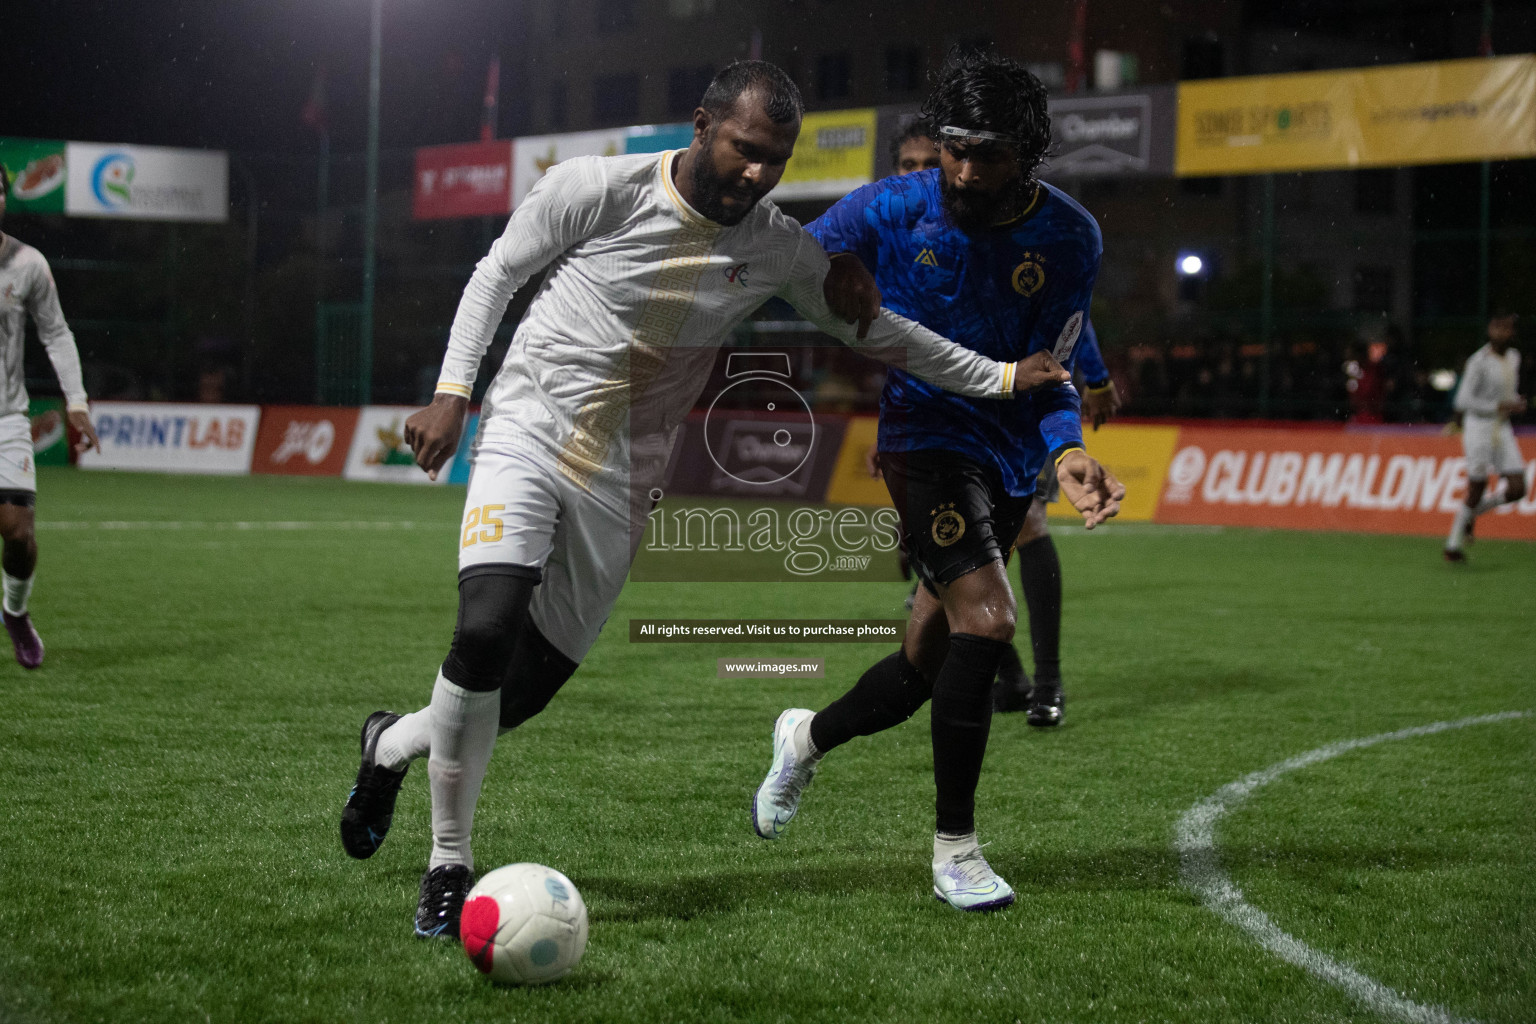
(485, 517)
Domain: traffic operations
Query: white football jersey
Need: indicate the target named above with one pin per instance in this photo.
(1488, 380)
(27, 288)
(641, 291)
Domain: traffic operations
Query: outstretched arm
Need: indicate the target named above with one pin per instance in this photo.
(905, 343)
(561, 210)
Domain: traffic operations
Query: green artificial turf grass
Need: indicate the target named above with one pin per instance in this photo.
(176, 769)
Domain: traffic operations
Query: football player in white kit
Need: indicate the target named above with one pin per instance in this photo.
(1488, 395)
(652, 260)
(27, 289)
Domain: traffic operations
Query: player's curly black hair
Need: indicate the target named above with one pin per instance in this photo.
(986, 92)
(781, 99)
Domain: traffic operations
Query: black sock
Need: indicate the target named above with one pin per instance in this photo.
(889, 693)
(961, 717)
(1040, 578)
(1010, 671)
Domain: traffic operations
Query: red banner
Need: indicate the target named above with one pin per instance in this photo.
(303, 440)
(1376, 481)
(469, 180)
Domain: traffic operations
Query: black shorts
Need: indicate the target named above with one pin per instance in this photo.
(955, 514)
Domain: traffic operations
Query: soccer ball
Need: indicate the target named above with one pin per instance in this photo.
(524, 924)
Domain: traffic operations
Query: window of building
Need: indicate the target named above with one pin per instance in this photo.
(557, 106)
(1375, 190)
(615, 15)
(833, 76)
(1373, 289)
(903, 68)
(616, 98)
(1203, 57)
(685, 87)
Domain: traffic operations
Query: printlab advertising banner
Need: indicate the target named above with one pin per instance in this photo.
(379, 452)
(168, 438)
(1369, 481)
(469, 180)
(303, 440)
(1423, 113)
(146, 183)
(36, 169)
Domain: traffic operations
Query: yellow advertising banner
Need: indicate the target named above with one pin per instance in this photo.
(835, 155)
(1137, 455)
(1433, 112)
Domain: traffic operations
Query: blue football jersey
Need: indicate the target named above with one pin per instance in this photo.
(1017, 289)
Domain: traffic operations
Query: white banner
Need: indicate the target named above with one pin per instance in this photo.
(146, 182)
(379, 451)
(533, 155)
(169, 438)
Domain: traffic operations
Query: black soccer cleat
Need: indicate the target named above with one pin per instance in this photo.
(1010, 691)
(1045, 704)
(1454, 555)
(443, 891)
(370, 806)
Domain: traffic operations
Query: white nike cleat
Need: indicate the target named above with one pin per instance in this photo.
(963, 878)
(777, 799)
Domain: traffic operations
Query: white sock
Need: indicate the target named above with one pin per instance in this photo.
(945, 847)
(1464, 516)
(463, 735)
(803, 739)
(409, 739)
(16, 593)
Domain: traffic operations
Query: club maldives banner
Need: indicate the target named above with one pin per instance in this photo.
(534, 155)
(303, 440)
(470, 180)
(36, 171)
(1372, 481)
(1431, 112)
(834, 155)
(379, 453)
(170, 438)
(146, 183)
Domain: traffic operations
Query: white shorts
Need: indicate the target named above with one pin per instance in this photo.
(522, 511)
(1490, 444)
(18, 468)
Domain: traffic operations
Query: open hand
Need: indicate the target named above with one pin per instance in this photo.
(1092, 489)
(433, 432)
(81, 421)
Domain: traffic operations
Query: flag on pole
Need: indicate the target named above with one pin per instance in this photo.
(492, 90)
(313, 114)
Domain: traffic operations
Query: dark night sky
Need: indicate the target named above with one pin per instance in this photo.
(235, 75)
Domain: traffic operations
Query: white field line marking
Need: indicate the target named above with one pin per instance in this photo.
(187, 524)
(1201, 871)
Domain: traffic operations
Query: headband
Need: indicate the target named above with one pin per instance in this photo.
(974, 136)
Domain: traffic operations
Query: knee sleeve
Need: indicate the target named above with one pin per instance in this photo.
(536, 674)
(493, 604)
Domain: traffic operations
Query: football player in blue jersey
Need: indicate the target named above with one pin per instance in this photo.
(916, 149)
(986, 254)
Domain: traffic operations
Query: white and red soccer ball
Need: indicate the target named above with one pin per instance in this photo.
(524, 924)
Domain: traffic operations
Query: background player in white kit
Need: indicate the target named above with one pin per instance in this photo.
(1488, 395)
(27, 288)
(652, 260)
